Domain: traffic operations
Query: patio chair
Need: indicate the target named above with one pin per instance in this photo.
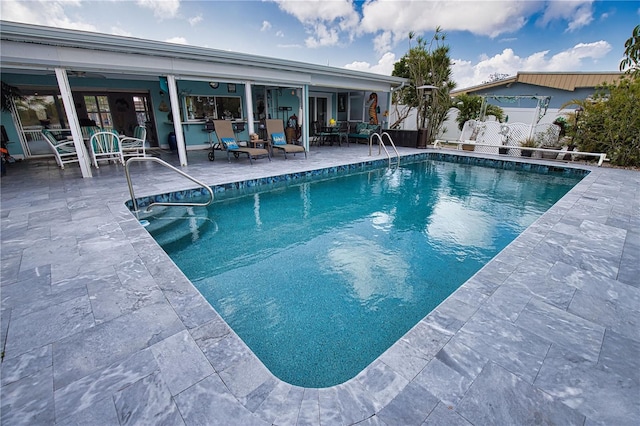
(64, 150)
(87, 130)
(226, 136)
(275, 130)
(105, 146)
(134, 146)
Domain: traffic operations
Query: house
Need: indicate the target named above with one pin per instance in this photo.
(72, 78)
(521, 95)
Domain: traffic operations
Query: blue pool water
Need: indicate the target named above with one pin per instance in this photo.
(319, 278)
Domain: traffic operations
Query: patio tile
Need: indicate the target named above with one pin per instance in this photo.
(82, 394)
(566, 329)
(48, 325)
(282, 402)
(380, 383)
(27, 364)
(411, 406)
(613, 311)
(309, 409)
(603, 397)
(620, 355)
(445, 415)
(102, 412)
(499, 397)
(449, 375)
(513, 348)
(148, 401)
(29, 401)
(94, 348)
(181, 361)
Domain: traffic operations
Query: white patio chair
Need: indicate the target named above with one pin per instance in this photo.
(105, 146)
(134, 146)
(63, 150)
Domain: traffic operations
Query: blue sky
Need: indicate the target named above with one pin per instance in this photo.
(485, 37)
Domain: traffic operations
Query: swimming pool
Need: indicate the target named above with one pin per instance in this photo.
(320, 277)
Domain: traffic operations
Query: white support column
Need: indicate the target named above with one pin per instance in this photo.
(248, 99)
(304, 102)
(177, 119)
(74, 124)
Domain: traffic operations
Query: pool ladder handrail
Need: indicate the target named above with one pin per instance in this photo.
(169, 166)
(382, 145)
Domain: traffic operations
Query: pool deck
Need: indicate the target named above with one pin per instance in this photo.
(98, 327)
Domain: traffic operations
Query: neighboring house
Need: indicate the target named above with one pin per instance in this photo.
(521, 95)
(73, 78)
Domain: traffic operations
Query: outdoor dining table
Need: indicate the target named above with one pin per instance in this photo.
(328, 134)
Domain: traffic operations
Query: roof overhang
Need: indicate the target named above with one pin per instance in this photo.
(30, 47)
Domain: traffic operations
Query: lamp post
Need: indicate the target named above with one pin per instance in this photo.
(579, 111)
(424, 135)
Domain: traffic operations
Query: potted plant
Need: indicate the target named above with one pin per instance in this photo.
(553, 138)
(529, 142)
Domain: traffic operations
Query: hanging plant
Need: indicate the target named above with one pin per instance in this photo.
(9, 93)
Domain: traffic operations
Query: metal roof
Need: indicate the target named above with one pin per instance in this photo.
(569, 81)
(88, 51)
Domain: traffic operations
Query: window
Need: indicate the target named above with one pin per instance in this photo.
(214, 107)
(141, 105)
(37, 111)
(98, 110)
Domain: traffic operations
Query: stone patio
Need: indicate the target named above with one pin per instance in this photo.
(98, 327)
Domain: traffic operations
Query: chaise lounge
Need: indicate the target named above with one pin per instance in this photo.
(275, 130)
(226, 136)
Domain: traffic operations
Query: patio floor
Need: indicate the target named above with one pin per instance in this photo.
(98, 327)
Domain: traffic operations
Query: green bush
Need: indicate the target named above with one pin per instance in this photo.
(610, 122)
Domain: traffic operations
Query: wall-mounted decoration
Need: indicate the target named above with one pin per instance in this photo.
(214, 84)
(231, 88)
(342, 102)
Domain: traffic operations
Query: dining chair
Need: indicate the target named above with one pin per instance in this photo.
(105, 146)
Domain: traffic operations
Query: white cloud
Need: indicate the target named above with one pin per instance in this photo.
(489, 18)
(177, 40)
(195, 20)
(325, 21)
(466, 74)
(44, 12)
(162, 9)
(578, 13)
(384, 65)
(322, 36)
(266, 25)
(279, 34)
(382, 42)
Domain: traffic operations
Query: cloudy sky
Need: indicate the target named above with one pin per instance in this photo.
(485, 37)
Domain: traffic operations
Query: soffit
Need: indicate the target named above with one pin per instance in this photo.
(33, 46)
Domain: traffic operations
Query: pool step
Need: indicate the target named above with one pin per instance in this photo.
(169, 225)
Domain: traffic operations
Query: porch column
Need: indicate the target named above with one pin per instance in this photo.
(177, 118)
(248, 99)
(304, 103)
(74, 124)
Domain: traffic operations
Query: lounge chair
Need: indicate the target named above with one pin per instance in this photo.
(134, 146)
(226, 136)
(275, 130)
(64, 150)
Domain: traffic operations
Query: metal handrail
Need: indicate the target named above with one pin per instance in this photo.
(169, 166)
(382, 145)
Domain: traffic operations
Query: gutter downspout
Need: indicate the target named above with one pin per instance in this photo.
(403, 84)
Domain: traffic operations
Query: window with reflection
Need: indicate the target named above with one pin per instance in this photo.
(213, 107)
